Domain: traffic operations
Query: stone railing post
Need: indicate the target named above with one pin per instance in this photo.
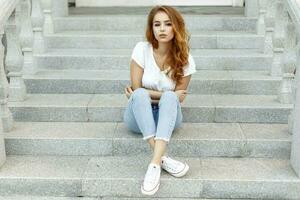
(14, 61)
(251, 8)
(295, 153)
(37, 19)
(269, 18)
(288, 62)
(48, 23)
(2, 146)
(6, 122)
(60, 8)
(261, 25)
(26, 38)
(292, 66)
(6, 115)
(294, 89)
(270, 14)
(278, 38)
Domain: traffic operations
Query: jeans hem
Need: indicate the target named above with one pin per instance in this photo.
(147, 137)
(160, 138)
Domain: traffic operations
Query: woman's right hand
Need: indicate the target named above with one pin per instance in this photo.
(181, 94)
(128, 91)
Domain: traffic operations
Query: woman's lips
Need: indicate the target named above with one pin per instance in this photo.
(162, 35)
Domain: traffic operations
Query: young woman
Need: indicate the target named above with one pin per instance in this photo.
(160, 72)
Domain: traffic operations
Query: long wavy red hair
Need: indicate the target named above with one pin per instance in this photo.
(179, 52)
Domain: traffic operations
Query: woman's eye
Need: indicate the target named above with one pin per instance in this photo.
(156, 25)
(169, 24)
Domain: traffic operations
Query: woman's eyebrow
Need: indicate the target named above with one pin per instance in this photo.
(164, 21)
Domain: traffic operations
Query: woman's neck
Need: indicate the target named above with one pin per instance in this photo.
(163, 48)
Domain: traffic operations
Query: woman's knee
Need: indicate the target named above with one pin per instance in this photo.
(140, 93)
(169, 95)
(131, 124)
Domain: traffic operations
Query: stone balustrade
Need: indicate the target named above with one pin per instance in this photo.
(291, 76)
(279, 20)
(21, 35)
(22, 26)
(7, 10)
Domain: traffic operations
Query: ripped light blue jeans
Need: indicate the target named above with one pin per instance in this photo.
(153, 120)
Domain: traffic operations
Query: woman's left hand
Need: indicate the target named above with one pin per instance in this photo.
(128, 91)
(181, 94)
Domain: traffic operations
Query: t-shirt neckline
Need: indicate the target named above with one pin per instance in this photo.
(152, 55)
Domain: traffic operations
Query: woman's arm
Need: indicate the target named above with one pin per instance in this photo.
(182, 86)
(154, 94)
(136, 74)
(184, 83)
(181, 89)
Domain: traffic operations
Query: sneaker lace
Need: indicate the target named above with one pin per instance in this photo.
(171, 164)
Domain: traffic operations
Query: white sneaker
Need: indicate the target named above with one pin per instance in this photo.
(174, 167)
(151, 180)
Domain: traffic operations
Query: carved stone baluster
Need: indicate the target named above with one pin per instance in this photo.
(269, 24)
(261, 26)
(278, 39)
(270, 14)
(14, 61)
(295, 153)
(48, 23)
(288, 64)
(6, 116)
(26, 38)
(251, 8)
(60, 8)
(37, 19)
(270, 6)
(292, 115)
(2, 145)
(294, 90)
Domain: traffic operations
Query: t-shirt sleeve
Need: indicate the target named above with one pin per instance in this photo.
(138, 54)
(190, 68)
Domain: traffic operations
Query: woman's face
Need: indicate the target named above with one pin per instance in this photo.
(162, 27)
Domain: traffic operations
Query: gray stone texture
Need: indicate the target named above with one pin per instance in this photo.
(191, 139)
(122, 176)
(127, 40)
(205, 59)
(114, 82)
(110, 108)
(138, 22)
(295, 153)
(2, 146)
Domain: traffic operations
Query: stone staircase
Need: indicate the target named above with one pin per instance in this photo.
(69, 139)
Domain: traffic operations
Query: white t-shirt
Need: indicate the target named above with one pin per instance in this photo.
(153, 77)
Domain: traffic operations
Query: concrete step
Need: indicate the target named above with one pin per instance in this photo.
(138, 10)
(110, 108)
(114, 139)
(99, 59)
(114, 81)
(28, 197)
(75, 176)
(20, 197)
(138, 22)
(128, 39)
